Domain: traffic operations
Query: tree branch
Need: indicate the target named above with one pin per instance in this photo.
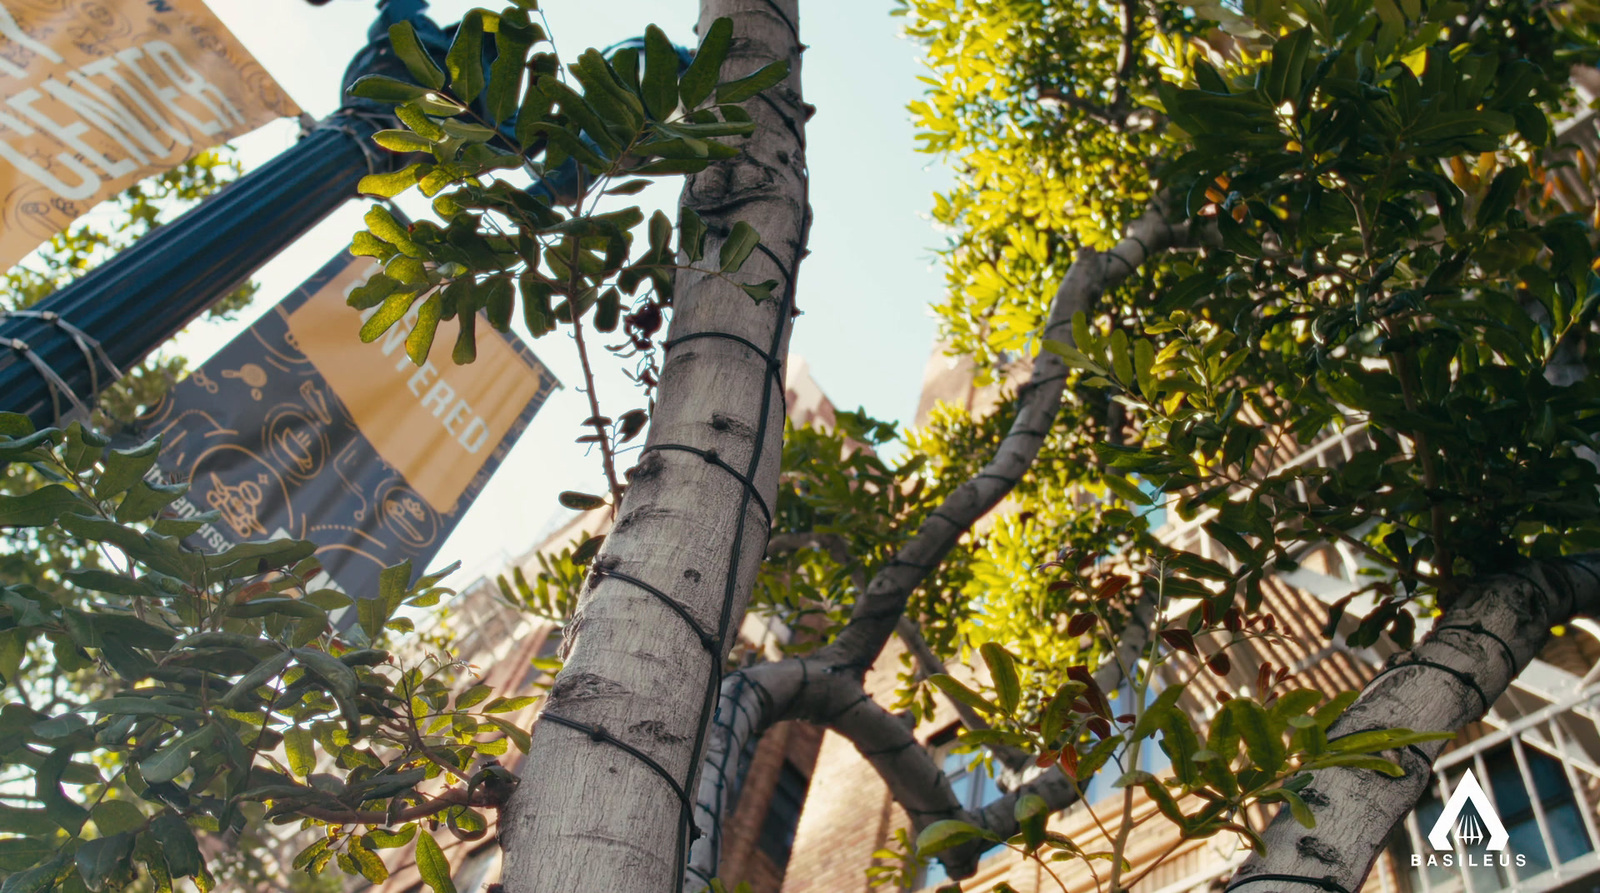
(878, 611)
(1489, 635)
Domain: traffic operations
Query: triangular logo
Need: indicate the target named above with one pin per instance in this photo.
(1469, 830)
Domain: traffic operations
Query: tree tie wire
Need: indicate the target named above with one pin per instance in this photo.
(58, 385)
(708, 641)
(774, 367)
(712, 458)
(1462, 677)
(599, 734)
(1480, 629)
(1324, 883)
(731, 578)
(87, 344)
(1582, 567)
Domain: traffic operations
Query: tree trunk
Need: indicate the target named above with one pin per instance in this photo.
(1357, 809)
(620, 739)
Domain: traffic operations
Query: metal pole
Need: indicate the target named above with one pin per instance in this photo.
(55, 356)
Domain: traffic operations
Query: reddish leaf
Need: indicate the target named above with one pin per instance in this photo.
(1264, 676)
(1126, 718)
(1269, 623)
(1233, 620)
(1219, 664)
(1046, 758)
(1223, 697)
(1112, 586)
(1208, 612)
(1180, 640)
(1100, 727)
(1069, 762)
(1093, 694)
(1080, 624)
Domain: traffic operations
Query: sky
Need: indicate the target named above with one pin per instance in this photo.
(866, 331)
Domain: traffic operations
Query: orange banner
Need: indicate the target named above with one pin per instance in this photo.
(98, 94)
(435, 423)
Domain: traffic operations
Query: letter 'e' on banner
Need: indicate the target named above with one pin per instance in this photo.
(95, 96)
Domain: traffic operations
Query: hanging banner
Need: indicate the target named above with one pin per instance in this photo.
(296, 428)
(95, 96)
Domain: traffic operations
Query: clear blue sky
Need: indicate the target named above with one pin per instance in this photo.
(864, 291)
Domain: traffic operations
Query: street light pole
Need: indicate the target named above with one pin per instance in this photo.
(56, 356)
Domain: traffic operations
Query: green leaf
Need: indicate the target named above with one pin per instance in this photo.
(959, 692)
(508, 705)
(660, 83)
(171, 760)
(1356, 761)
(124, 468)
(17, 853)
(39, 508)
(580, 502)
(518, 736)
(1155, 714)
(1264, 746)
(385, 89)
(760, 291)
(433, 866)
(145, 499)
(1003, 672)
(36, 880)
(692, 234)
(116, 816)
(178, 846)
(132, 706)
(746, 87)
(701, 77)
(368, 863)
(473, 696)
(403, 37)
(402, 141)
(742, 240)
(1031, 812)
(1126, 490)
(586, 552)
(383, 839)
(420, 341)
(464, 60)
(238, 695)
(1058, 710)
(101, 859)
(1297, 806)
(300, 746)
(342, 683)
(511, 44)
(1121, 359)
(942, 835)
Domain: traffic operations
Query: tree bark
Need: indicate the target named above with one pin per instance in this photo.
(1488, 636)
(591, 814)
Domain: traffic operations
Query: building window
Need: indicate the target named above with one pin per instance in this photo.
(1510, 794)
(973, 784)
(783, 815)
